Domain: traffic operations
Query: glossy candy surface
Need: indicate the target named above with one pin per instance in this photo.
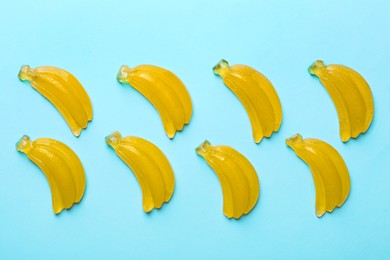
(256, 94)
(330, 173)
(239, 181)
(61, 166)
(149, 165)
(64, 91)
(164, 90)
(351, 96)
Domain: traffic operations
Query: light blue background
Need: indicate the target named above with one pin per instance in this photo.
(279, 38)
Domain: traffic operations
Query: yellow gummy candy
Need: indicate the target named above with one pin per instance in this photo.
(256, 94)
(330, 173)
(164, 90)
(64, 91)
(61, 166)
(149, 165)
(239, 181)
(351, 96)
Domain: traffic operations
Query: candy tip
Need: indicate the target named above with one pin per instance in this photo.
(171, 135)
(77, 132)
(345, 139)
(57, 210)
(257, 140)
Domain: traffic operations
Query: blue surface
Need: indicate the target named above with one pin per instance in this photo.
(279, 38)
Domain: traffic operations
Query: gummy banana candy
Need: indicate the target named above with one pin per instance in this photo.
(164, 90)
(351, 95)
(330, 173)
(149, 165)
(256, 94)
(61, 166)
(64, 91)
(239, 181)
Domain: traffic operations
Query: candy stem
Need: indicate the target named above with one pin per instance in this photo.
(316, 66)
(293, 140)
(25, 73)
(221, 67)
(113, 139)
(203, 148)
(24, 145)
(123, 73)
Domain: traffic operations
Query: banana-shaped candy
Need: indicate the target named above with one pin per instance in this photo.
(64, 91)
(164, 90)
(62, 168)
(256, 94)
(239, 181)
(350, 94)
(149, 165)
(330, 174)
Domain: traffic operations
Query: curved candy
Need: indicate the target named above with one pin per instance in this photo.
(351, 96)
(64, 91)
(239, 181)
(149, 165)
(61, 166)
(330, 173)
(256, 94)
(164, 90)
